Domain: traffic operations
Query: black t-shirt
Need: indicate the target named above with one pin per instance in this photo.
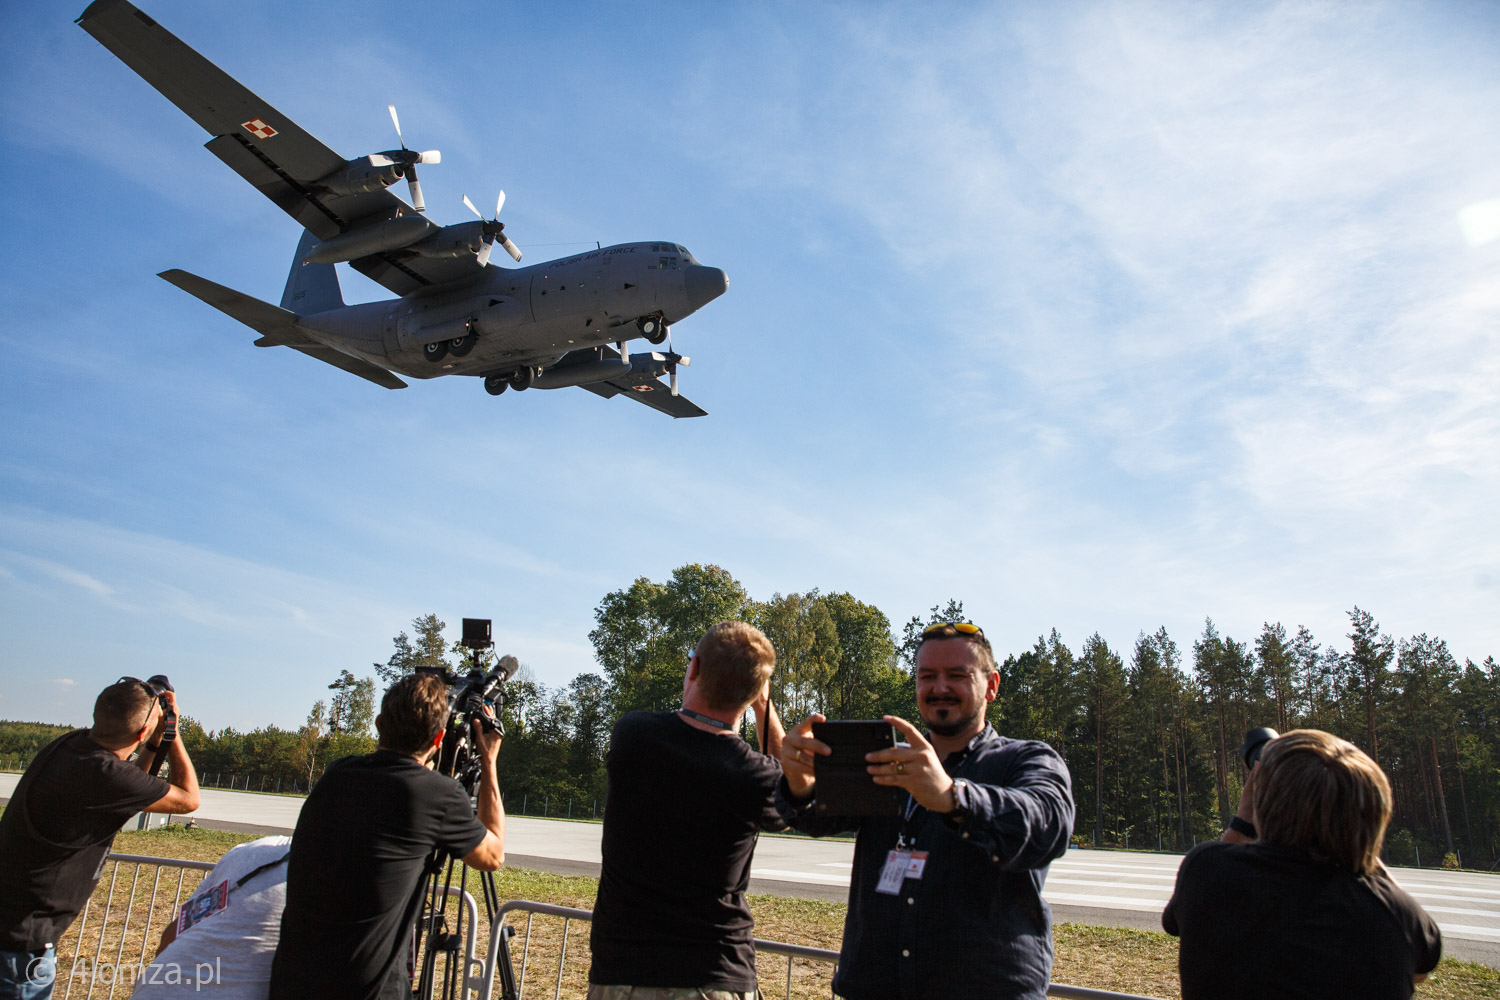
(356, 862)
(55, 832)
(680, 824)
(1261, 920)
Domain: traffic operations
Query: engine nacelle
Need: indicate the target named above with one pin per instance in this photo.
(367, 173)
(462, 239)
(648, 366)
(581, 374)
(392, 234)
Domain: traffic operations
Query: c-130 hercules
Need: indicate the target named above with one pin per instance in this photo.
(562, 323)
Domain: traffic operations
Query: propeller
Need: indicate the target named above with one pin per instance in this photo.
(494, 232)
(673, 360)
(409, 159)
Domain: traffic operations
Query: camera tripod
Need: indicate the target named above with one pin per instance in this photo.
(447, 929)
(446, 946)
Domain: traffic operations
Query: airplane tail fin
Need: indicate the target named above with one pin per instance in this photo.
(311, 288)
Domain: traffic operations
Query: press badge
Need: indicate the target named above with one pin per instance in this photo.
(899, 866)
(205, 904)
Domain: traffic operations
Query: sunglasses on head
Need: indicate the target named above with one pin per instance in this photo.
(962, 628)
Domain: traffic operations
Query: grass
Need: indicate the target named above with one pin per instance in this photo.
(1120, 959)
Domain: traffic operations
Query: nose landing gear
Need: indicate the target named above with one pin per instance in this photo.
(653, 328)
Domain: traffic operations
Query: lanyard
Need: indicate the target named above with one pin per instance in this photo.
(906, 839)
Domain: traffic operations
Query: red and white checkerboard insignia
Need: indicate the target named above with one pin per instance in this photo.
(258, 128)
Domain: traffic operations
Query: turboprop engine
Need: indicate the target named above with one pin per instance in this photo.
(391, 234)
(367, 173)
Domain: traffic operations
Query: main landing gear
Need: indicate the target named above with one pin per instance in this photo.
(458, 347)
(519, 379)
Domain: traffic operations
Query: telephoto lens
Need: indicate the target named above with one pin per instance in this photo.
(1255, 742)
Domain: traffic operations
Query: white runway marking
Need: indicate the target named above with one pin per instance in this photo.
(783, 875)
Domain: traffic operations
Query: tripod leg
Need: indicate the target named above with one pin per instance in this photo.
(503, 965)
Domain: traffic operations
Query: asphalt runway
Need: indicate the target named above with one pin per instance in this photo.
(1110, 888)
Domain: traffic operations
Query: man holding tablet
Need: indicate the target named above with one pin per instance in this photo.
(945, 898)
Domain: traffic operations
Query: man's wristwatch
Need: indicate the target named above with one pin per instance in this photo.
(153, 747)
(1242, 826)
(960, 808)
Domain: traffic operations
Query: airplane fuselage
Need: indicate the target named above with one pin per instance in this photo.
(523, 316)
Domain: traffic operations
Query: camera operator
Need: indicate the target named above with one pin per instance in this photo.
(1294, 900)
(687, 797)
(354, 875)
(64, 815)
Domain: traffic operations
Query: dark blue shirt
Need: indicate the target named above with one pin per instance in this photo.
(975, 924)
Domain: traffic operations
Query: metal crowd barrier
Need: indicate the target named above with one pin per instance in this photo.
(762, 946)
(81, 965)
(110, 924)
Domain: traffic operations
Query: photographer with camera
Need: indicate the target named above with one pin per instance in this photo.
(64, 815)
(1294, 900)
(687, 798)
(363, 842)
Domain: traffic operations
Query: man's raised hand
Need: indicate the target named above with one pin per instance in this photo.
(797, 750)
(915, 768)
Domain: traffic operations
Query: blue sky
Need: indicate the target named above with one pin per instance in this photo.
(1095, 316)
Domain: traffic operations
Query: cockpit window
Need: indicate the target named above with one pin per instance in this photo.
(686, 255)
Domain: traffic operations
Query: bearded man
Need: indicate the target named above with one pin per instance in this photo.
(945, 899)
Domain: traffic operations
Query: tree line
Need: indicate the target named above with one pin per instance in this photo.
(1150, 733)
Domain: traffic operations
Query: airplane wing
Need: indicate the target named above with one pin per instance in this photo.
(652, 392)
(263, 145)
(277, 326)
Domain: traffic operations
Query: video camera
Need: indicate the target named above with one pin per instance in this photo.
(468, 696)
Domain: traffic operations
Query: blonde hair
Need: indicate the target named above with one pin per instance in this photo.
(734, 659)
(1324, 795)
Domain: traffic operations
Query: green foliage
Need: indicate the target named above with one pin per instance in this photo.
(911, 632)
(19, 741)
(645, 633)
(1151, 739)
(352, 709)
(1401, 848)
(428, 650)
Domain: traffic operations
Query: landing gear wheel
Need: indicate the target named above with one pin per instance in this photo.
(496, 384)
(435, 352)
(521, 378)
(459, 346)
(652, 328)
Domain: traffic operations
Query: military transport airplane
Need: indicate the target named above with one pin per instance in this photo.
(563, 323)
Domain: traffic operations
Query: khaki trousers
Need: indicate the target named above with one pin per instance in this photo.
(598, 992)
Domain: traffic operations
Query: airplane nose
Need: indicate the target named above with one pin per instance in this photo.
(704, 284)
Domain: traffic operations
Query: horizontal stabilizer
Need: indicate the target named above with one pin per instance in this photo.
(276, 326)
